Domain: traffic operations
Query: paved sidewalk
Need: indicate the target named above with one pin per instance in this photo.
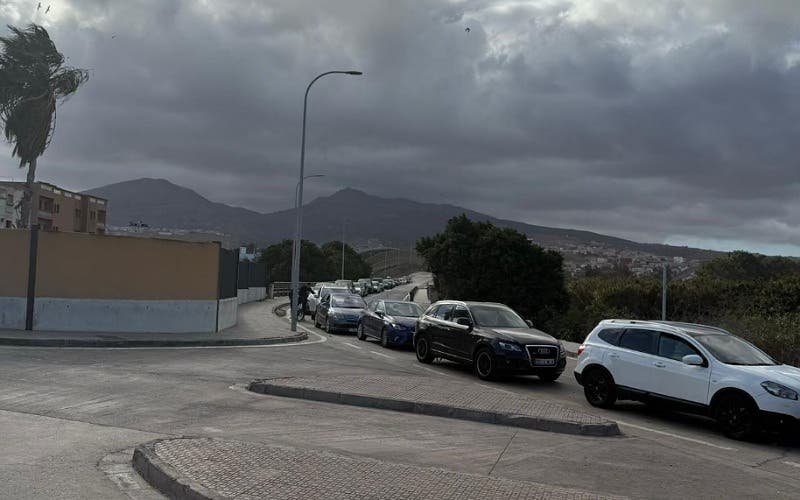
(257, 325)
(209, 468)
(428, 396)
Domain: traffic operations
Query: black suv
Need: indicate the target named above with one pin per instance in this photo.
(491, 337)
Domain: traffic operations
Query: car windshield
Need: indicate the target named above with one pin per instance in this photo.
(496, 316)
(406, 309)
(334, 289)
(732, 350)
(348, 302)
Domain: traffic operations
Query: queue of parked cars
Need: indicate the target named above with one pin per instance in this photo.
(686, 367)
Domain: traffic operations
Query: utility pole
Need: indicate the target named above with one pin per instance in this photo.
(343, 223)
(664, 293)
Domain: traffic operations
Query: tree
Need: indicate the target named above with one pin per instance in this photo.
(479, 261)
(314, 264)
(355, 266)
(32, 79)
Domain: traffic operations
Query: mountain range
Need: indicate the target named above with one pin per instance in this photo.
(369, 221)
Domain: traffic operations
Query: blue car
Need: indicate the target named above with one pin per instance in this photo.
(390, 321)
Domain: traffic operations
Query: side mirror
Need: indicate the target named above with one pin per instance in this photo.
(464, 322)
(379, 314)
(529, 323)
(692, 360)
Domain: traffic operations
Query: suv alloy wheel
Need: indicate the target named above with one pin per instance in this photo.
(423, 350)
(736, 416)
(599, 388)
(485, 365)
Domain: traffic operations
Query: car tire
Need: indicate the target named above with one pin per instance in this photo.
(736, 415)
(328, 328)
(485, 364)
(360, 335)
(599, 388)
(423, 350)
(316, 323)
(384, 337)
(549, 376)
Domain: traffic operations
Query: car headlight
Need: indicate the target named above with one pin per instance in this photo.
(508, 346)
(779, 390)
(562, 350)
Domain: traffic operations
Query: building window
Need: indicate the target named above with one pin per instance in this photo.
(57, 208)
(101, 216)
(10, 200)
(92, 215)
(46, 204)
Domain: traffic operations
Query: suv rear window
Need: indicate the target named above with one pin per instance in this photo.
(639, 340)
(611, 335)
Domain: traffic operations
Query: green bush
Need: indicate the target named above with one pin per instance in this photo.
(755, 297)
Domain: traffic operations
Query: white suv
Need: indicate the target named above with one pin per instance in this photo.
(697, 368)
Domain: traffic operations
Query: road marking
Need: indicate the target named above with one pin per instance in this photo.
(382, 354)
(793, 464)
(676, 436)
(498, 389)
(352, 345)
(434, 371)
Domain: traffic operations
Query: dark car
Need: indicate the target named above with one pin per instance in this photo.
(339, 312)
(391, 321)
(491, 337)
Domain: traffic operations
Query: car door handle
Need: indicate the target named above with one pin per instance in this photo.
(615, 356)
(659, 364)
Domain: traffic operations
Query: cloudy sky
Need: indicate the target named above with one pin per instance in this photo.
(662, 121)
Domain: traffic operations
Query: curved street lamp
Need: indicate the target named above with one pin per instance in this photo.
(299, 203)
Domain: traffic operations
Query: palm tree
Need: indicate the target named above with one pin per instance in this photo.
(32, 78)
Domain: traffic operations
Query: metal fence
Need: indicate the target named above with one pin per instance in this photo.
(283, 288)
(228, 271)
(252, 275)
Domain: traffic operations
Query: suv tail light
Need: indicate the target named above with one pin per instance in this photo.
(581, 349)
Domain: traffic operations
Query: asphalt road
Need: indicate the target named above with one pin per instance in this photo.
(63, 410)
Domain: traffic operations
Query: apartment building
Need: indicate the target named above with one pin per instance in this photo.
(10, 198)
(57, 209)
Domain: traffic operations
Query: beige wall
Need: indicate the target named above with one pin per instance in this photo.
(14, 257)
(85, 266)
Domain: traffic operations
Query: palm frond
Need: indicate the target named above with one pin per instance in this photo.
(32, 79)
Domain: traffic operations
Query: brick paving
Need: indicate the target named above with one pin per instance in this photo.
(431, 396)
(244, 471)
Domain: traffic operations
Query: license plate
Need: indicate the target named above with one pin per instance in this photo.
(352, 330)
(544, 362)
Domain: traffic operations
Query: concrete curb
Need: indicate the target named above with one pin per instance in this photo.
(436, 410)
(165, 478)
(72, 342)
(280, 309)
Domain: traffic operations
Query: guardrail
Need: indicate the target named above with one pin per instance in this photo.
(282, 288)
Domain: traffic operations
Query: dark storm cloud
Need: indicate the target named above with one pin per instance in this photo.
(671, 120)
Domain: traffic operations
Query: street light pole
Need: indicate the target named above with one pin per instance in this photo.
(298, 233)
(343, 223)
(295, 243)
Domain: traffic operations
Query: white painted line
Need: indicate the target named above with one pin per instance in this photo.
(676, 436)
(434, 371)
(352, 345)
(498, 389)
(793, 464)
(382, 354)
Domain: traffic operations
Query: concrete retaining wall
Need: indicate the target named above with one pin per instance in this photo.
(247, 295)
(95, 315)
(228, 313)
(12, 312)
